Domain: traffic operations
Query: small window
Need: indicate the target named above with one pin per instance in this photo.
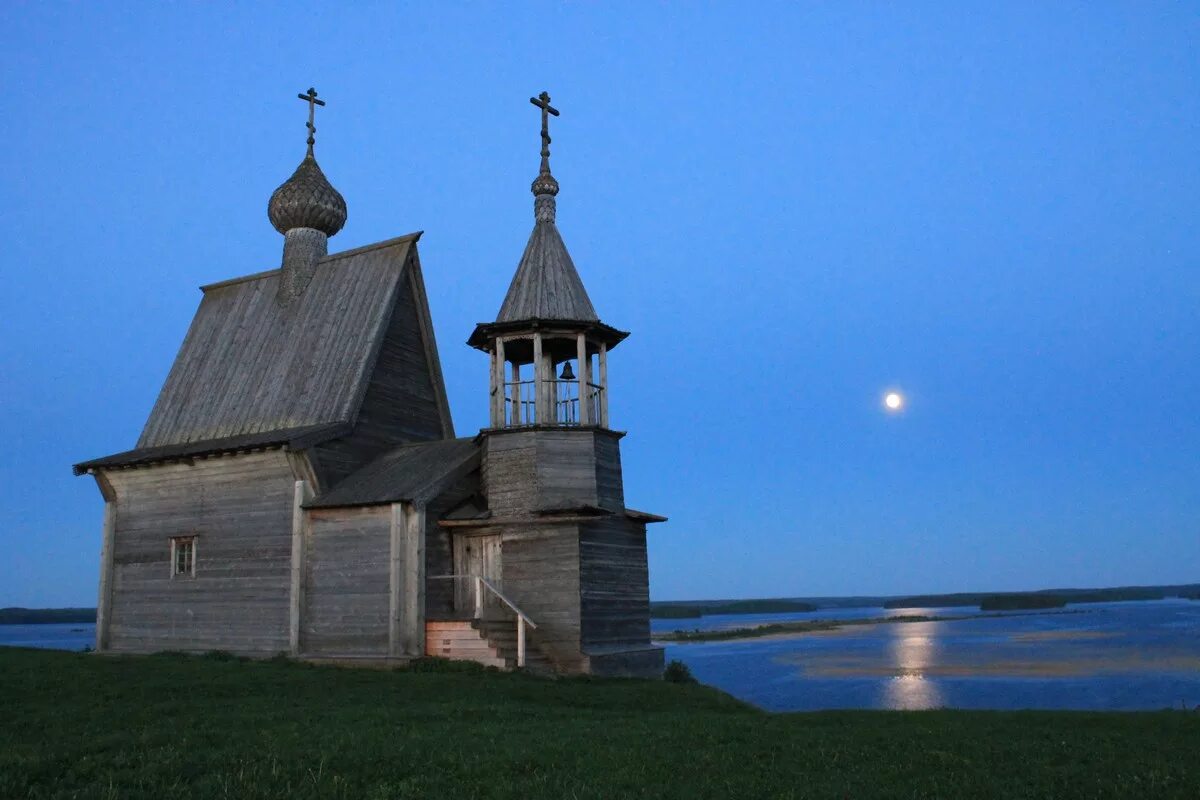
(183, 557)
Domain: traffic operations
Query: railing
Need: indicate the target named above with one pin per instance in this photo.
(521, 401)
(480, 583)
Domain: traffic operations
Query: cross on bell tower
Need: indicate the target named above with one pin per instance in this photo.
(545, 323)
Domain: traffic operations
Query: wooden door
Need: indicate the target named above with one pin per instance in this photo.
(477, 555)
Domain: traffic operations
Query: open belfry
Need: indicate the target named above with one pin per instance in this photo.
(298, 487)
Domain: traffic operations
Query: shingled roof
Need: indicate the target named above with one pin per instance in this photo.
(256, 373)
(250, 365)
(546, 285)
(409, 472)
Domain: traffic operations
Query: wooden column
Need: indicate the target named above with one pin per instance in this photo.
(104, 600)
(585, 377)
(501, 389)
(539, 382)
(406, 578)
(301, 495)
(517, 415)
(492, 390)
(603, 385)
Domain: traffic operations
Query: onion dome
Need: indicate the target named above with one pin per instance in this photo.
(307, 200)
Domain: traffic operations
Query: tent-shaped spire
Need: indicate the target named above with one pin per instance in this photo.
(546, 286)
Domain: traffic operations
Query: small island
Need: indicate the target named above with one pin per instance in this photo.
(693, 610)
(1019, 602)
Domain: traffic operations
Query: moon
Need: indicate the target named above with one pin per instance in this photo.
(893, 401)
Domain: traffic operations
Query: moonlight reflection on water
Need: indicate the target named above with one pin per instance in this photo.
(912, 651)
(1102, 656)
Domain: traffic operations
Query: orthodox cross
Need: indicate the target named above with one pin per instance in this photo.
(542, 101)
(313, 102)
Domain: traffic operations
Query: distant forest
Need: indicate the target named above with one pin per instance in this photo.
(985, 601)
(37, 616)
(1046, 598)
(673, 610)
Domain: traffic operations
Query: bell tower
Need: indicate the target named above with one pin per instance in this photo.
(556, 533)
(548, 382)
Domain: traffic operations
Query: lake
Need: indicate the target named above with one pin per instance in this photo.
(57, 636)
(1103, 656)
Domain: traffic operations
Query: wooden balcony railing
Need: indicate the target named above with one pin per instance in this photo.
(561, 398)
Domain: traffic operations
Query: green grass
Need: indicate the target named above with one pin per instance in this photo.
(80, 726)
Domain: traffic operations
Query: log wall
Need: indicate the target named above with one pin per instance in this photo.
(541, 575)
(347, 582)
(526, 471)
(239, 508)
(614, 584)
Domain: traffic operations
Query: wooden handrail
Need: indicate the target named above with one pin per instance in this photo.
(507, 602)
(522, 618)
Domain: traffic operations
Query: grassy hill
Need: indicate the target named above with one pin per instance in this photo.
(83, 726)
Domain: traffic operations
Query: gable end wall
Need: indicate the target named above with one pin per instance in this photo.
(401, 403)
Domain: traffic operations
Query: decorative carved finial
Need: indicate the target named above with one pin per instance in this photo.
(544, 186)
(313, 102)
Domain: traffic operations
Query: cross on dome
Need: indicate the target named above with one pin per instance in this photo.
(311, 98)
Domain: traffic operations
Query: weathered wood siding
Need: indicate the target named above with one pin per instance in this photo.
(346, 592)
(614, 583)
(401, 400)
(439, 557)
(646, 662)
(249, 364)
(541, 575)
(508, 472)
(566, 469)
(239, 509)
(538, 470)
(610, 486)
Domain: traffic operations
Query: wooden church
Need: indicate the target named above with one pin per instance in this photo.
(298, 487)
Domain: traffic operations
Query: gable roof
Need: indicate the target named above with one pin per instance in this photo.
(546, 285)
(409, 472)
(251, 366)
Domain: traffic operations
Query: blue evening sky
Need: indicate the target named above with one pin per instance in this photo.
(792, 206)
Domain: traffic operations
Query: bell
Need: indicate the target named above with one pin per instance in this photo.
(567, 373)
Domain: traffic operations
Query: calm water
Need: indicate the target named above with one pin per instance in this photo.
(1115, 656)
(65, 636)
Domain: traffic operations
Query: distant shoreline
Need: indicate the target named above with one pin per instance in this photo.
(820, 625)
(46, 616)
(1007, 601)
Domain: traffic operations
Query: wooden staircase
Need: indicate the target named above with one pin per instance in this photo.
(491, 642)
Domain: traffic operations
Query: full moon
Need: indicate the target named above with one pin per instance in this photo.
(893, 401)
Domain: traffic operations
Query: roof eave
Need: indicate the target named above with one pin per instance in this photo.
(291, 438)
(486, 332)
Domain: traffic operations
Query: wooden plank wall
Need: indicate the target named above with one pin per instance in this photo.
(614, 583)
(439, 559)
(239, 508)
(401, 400)
(610, 487)
(566, 469)
(508, 472)
(346, 593)
(527, 471)
(541, 575)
